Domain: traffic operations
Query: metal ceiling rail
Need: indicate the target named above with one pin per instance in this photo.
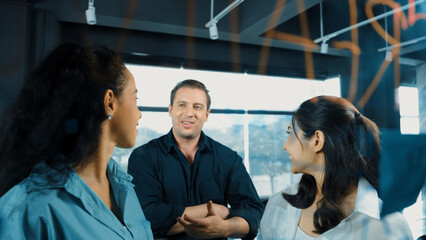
(225, 11)
(334, 34)
(402, 44)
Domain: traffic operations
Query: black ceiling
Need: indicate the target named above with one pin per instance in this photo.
(247, 23)
(169, 26)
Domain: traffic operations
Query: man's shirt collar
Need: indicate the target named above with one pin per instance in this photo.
(203, 143)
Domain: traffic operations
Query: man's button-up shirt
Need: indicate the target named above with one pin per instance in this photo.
(166, 183)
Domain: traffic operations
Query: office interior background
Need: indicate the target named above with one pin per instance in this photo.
(260, 60)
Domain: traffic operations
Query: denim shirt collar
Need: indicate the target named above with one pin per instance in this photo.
(43, 176)
(170, 142)
(114, 170)
(64, 177)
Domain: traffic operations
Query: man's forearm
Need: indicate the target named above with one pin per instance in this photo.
(175, 229)
(237, 227)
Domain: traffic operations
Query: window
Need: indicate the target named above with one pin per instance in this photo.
(151, 125)
(414, 215)
(409, 109)
(269, 163)
(250, 114)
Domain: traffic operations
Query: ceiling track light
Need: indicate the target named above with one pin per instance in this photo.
(213, 32)
(324, 47)
(324, 44)
(90, 13)
(211, 25)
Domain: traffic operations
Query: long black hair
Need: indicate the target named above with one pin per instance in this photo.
(351, 149)
(59, 111)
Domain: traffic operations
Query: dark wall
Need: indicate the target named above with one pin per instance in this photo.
(26, 36)
(14, 50)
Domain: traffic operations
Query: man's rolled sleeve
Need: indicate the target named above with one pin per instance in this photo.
(243, 198)
(162, 217)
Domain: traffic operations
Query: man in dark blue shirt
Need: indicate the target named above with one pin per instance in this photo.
(185, 180)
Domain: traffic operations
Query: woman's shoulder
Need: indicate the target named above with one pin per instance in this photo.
(280, 217)
(25, 211)
(24, 205)
(16, 196)
(278, 199)
(27, 195)
(277, 205)
(44, 186)
(398, 225)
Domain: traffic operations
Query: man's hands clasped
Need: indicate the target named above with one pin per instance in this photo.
(213, 225)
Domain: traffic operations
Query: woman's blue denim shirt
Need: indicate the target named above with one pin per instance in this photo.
(55, 203)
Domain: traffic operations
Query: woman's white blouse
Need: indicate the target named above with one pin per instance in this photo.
(301, 235)
(280, 219)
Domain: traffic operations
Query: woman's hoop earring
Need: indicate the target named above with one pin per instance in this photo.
(110, 117)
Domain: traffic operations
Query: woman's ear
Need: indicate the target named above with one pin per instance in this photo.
(109, 102)
(318, 141)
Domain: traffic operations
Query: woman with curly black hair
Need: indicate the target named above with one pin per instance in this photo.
(337, 150)
(57, 178)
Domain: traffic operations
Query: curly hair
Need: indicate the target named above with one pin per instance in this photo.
(351, 149)
(59, 111)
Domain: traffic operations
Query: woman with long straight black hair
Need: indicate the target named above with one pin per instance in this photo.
(337, 150)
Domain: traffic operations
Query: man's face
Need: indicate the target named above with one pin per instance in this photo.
(189, 112)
